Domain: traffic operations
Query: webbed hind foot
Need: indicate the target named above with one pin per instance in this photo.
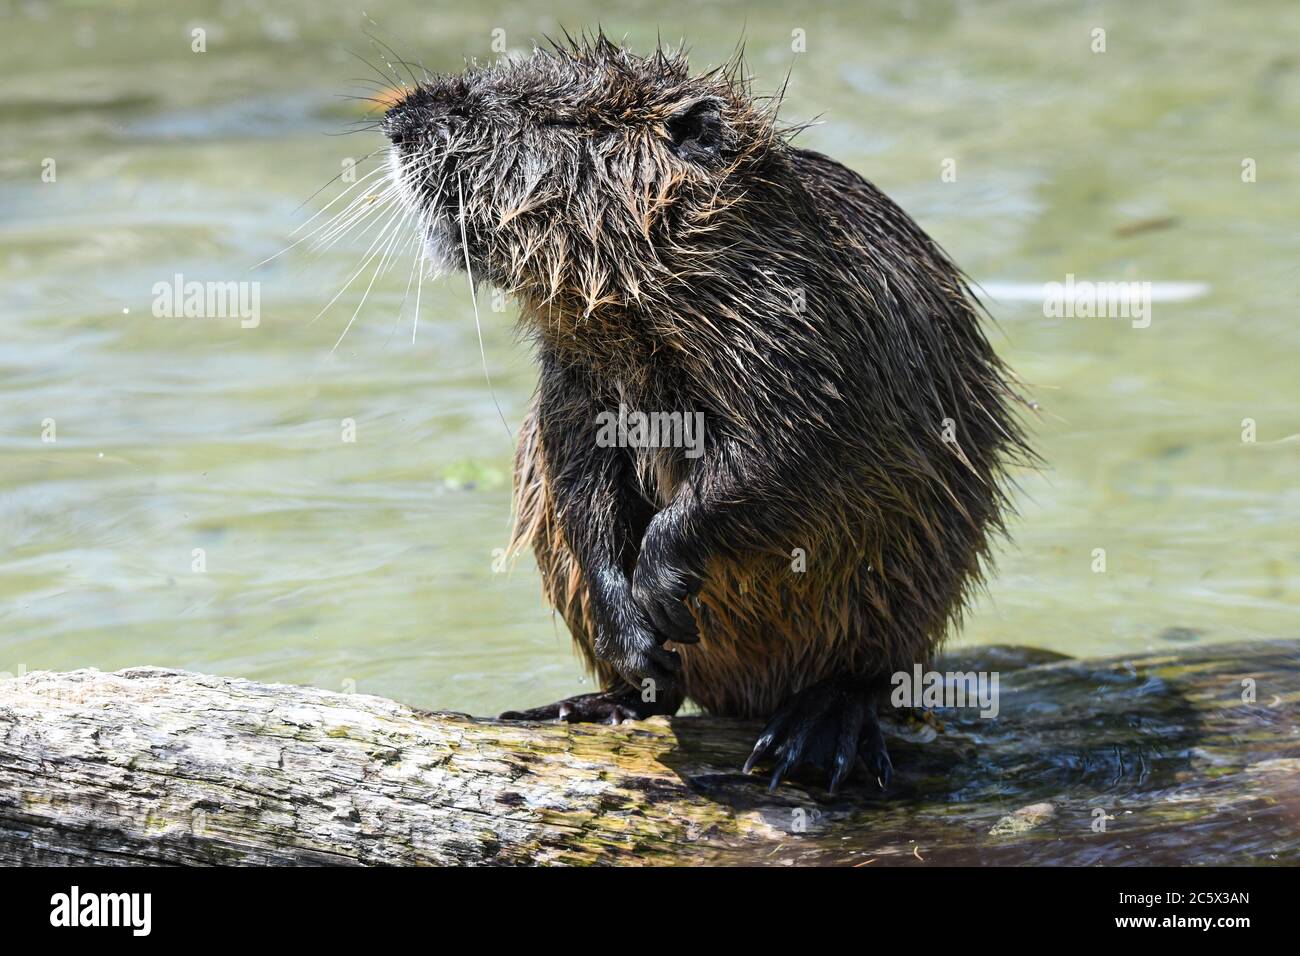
(830, 725)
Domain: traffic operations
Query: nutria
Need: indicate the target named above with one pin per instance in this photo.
(673, 252)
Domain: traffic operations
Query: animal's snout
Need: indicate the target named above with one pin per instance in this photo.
(400, 126)
(423, 112)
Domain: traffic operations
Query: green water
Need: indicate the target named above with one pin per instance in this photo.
(368, 565)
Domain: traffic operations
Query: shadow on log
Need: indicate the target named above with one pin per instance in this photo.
(1150, 759)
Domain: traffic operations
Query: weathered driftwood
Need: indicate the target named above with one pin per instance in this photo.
(158, 766)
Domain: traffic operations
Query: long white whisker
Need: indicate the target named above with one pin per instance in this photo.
(415, 259)
(418, 287)
(371, 256)
(398, 248)
(324, 225)
(368, 176)
(411, 278)
(473, 297)
(362, 181)
(365, 295)
(363, 208)
(332, 181)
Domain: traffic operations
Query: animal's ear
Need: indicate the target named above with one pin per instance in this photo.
(696, 132)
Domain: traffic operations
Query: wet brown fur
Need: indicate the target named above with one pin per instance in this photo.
(670, 282)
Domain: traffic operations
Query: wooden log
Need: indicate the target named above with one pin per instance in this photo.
(1156, 758)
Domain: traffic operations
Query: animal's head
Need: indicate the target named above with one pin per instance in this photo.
(583, 176)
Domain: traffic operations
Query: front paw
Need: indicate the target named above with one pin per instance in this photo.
(662, 591)
(641, 659)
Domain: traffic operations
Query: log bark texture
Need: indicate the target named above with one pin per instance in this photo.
(1182, 758)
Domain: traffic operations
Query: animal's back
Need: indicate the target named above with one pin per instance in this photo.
(869, 582)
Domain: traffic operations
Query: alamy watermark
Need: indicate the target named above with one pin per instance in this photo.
(634, 429)
(1109, 300)
(208, 300)
(76, 908)
(956, 689)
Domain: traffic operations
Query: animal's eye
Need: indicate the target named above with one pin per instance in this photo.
(696, 134)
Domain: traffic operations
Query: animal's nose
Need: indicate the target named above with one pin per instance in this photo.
(423, 111)
(402, 124)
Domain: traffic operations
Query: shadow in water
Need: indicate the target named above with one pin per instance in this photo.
(1154, 759)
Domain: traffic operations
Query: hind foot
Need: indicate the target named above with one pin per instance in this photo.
(607, 707)
(830, 725)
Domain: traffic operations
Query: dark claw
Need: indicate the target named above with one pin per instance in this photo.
(846, 749)
(607, 707)
(791, 759)
(760, 748)
(829, 725)
(774, 727)
(846, 744)
(796, 751)
(873, 754)
(776, 777)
